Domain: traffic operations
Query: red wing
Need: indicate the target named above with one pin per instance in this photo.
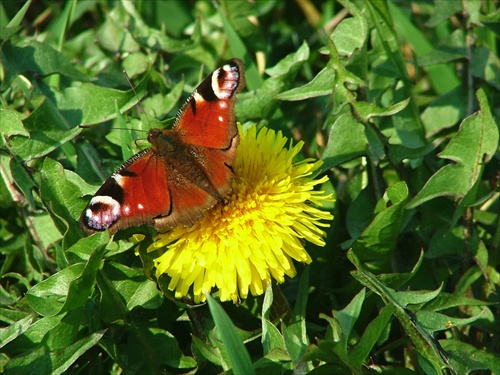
(134, 195)
(189, 201)
(207, 117)
(197, 185)
(145, 190)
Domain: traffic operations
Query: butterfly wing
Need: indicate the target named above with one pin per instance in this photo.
(207, 118)
(133, 195)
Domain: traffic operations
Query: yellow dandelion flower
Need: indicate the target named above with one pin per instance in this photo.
(255, 236)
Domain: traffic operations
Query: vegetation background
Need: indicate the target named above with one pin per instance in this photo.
(400, 99)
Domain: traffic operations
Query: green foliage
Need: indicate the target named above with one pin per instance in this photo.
(401, 101)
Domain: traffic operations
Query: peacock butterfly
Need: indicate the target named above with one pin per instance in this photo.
(187, 169)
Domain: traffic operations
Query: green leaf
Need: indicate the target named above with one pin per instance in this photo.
(432, 321)
(136, 63)
(65, 332)
(33, 336)
(60, 192)
(22, 179)
(140, 31)
(430, 355)
(466, 358)
(43, 361)
(346, 141)
(443, 10)
(271, 336)
(380, 237)
(351, 34)
(47, 130)
(342, 324)
(274, 362)
(238, 354)
(79, 104)
(17, 19)
(441, 77)
(486, 65)
(208, 352)
(68, 289)
(322, 84)
(361, 351)
(153, 349)
(160, 105)
(132, 286)
(262, 103)
(368, 111)
(14, 330)
(407, 122)
(11, 125)
(448, 108)
(36, 58)
(295, 333)
(472, 147)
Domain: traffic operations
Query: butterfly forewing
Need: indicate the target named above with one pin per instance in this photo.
(207, 117)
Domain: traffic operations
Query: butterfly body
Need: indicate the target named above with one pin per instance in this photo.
(187, 169)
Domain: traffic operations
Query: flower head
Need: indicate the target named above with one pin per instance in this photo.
(239, 246)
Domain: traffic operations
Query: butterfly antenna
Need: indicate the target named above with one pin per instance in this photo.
(137, 96)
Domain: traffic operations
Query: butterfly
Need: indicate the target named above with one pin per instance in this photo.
(186, 171)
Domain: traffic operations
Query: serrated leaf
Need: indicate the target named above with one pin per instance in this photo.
(473, 146)
(416, 297)
(17, 19)
(23, 180)
(432, 321)
(35, 333)
(151, 37)
(274, 362)
(11, 125)
(64, 333)
(238, 48)
(485, 64)
(432, 359)
(350, 34)
(443, 10)
(448, 108)
(160, 105)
